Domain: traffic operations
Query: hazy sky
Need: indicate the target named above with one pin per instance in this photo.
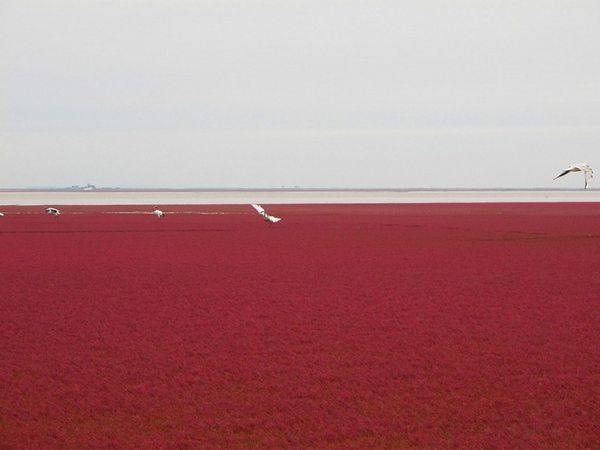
(266, 93)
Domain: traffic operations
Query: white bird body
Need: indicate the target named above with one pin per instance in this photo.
(583, 167)
(53, 211)
(263, 213)
(158, 213)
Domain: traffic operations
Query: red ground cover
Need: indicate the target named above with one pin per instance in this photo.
(371, 326)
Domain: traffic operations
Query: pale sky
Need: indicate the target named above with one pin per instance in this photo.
(315, 93)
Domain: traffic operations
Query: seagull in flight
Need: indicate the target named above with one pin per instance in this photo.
(53, 212)
(583, 167)
(158, 213)
(264, 214)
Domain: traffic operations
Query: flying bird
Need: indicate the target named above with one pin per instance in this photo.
(263, 213)
(53, 211)
(1, 214)
(583, 167)
(158, 213)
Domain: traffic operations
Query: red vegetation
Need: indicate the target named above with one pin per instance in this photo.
(405, 326)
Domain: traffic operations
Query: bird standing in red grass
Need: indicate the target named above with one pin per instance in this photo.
(53, 212)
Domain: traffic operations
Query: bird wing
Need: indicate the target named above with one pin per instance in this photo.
(562, 174)
(273, 219)
(259, 209)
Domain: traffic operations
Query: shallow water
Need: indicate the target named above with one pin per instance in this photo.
(290, 197)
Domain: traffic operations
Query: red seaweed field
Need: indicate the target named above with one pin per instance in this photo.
(342, 326)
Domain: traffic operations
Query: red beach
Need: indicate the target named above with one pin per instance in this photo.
(343, 326)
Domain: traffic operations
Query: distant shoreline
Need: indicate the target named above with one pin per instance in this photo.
(299, 190)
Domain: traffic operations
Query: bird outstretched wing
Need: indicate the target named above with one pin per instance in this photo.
(562, 174)
(259, 209)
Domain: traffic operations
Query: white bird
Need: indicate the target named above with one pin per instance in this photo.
(1, 214)
(53, 211)
(158, 213)
(583, 167)
(264, 214)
